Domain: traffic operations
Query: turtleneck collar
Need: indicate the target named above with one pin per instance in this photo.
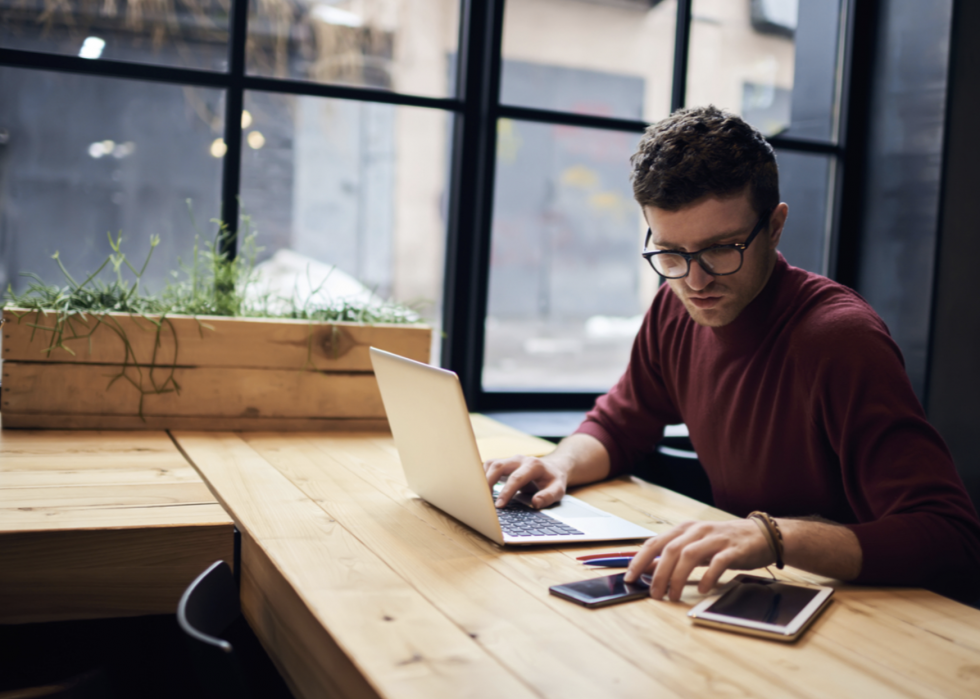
(756, 319)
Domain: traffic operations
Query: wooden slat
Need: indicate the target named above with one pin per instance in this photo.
(829, 661)
(309, 659)
(215, 342)
(392, 634)
(208, 422)
(104, 573)
(13, 479)
(238, 393)
(84, 497)
(61, 519)
(43, 450)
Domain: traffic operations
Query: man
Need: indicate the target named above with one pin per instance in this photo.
(794, 394)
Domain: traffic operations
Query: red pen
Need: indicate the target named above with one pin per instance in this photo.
(613, 554)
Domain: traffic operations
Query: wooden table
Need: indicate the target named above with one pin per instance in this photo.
(357, 588)
(101, 524)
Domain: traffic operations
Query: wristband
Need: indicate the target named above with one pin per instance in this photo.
(775, 536)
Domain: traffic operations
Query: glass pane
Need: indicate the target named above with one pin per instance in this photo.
(608, 58)
(83, 156)
(567, 283)
(401, 45)
(185, 33)
(804, 182)
(351, 193)
(773, 62)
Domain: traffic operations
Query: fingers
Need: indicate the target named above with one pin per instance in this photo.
(697, 553)
(499, 468)
(644, 560)
(548, 495)
(719, 564)
(522, 471)
(675, 564)
(717, 545)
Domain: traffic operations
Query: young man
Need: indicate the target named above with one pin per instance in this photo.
(795, 396)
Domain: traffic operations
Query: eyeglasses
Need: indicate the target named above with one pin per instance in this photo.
(718, 260)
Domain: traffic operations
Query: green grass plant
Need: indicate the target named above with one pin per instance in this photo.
(212, 283)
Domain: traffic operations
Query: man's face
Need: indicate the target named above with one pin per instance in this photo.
(715, 301)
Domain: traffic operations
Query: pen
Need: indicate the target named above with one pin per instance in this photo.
(608, 554)
(614, 562)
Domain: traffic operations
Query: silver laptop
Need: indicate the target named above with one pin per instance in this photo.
(432, 430)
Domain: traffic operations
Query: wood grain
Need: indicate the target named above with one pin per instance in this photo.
(845, 654)
(52, 389)
(392, 634)
(106, 572)
(101, 524)
(211, 341)
(545, 650)
(306, 654)
(205, 422)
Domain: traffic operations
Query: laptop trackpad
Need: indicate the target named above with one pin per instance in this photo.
(568, 508)
(574, 509)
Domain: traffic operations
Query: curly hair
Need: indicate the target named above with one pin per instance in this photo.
(699, 151)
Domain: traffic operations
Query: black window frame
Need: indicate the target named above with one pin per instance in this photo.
(477, 109)
(468, 250)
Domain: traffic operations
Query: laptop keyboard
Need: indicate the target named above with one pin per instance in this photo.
(517, 519)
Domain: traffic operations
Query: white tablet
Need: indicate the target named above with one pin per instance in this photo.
(764, 607)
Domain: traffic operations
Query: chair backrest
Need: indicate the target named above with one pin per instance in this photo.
(207, 608)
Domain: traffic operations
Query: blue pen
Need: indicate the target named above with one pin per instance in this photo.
(615, 562)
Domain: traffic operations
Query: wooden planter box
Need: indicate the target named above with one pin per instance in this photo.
(202, 373)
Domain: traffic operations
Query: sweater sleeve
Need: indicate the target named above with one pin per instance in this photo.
(916, 523)
(629, 420)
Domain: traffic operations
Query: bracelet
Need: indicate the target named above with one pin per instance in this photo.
(774, 535)
(765, 532)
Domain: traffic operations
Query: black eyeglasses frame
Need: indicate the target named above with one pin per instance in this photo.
(648, 255)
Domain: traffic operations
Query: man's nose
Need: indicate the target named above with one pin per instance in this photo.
(697, 279)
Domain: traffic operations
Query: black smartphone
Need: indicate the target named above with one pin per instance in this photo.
(599, 592)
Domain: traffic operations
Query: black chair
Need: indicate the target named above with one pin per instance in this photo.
(228, 658)
(675, 465)
(207, 609)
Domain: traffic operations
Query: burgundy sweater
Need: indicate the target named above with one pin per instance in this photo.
(801, 406)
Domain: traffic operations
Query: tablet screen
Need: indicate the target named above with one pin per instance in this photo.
(763, 601)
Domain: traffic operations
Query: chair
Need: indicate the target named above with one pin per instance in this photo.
(207, 609)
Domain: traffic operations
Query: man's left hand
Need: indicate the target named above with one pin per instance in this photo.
(738, 544)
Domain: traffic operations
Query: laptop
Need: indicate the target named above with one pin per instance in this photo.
(431, 427)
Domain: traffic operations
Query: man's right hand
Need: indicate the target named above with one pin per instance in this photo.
(548, 479)
(579, 459)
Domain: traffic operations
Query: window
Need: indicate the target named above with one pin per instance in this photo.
(469, 158)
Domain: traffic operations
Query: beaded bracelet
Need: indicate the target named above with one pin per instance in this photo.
(773, 534)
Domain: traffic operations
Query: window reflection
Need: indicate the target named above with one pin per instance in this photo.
(185, 33)
(86, 156)
(774, 62)
(567, 284)
(350, 193)
(585, 46)
(400, 45)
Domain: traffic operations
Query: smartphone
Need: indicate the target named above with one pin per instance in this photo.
(773, 609)
(599, 592)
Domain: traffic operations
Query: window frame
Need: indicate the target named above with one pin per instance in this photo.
(477, 109)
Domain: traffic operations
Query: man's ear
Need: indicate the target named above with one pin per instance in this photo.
(776, 223)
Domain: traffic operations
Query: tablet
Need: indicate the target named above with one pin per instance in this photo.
(773, 609)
